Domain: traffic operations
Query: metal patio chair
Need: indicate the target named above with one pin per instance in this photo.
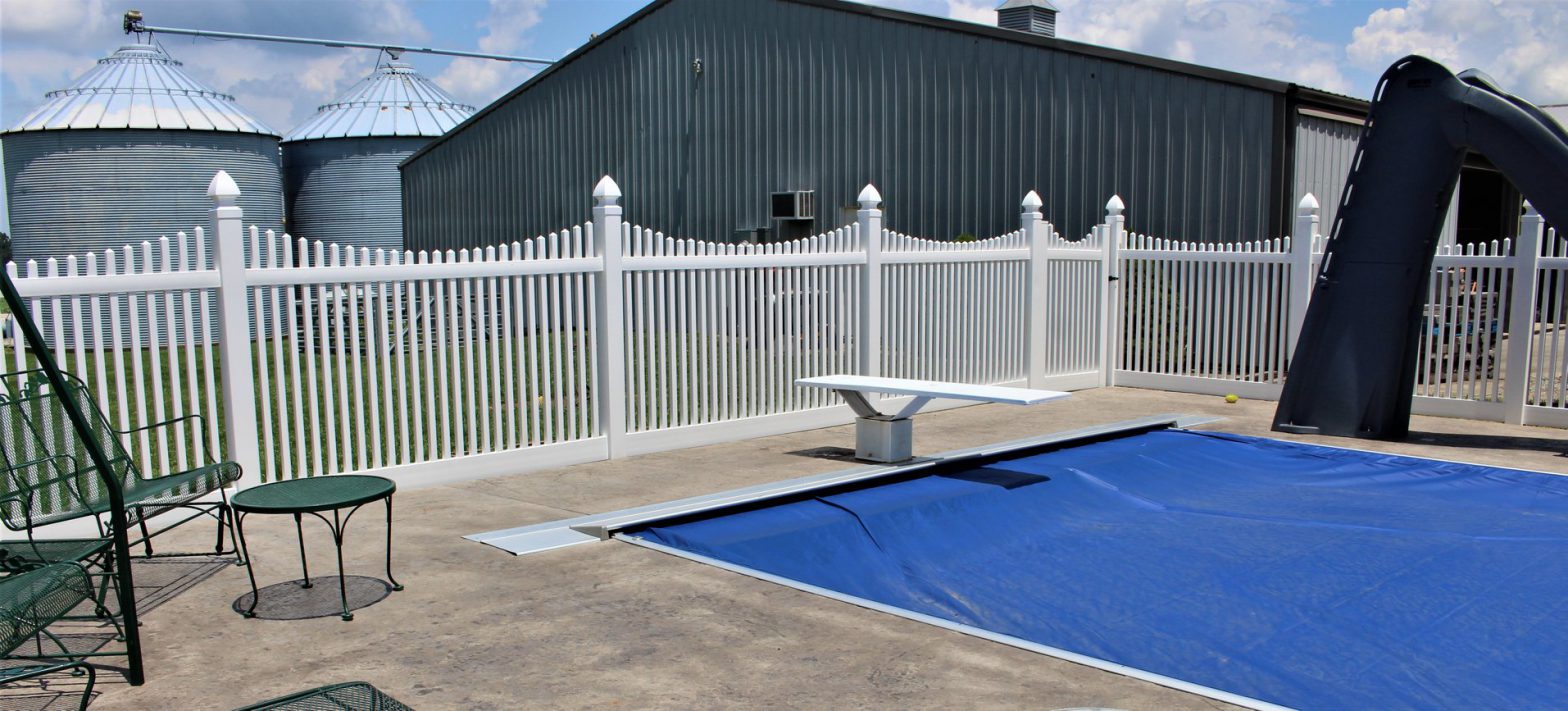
(29, 603)
(349, 696)
(1460, 334)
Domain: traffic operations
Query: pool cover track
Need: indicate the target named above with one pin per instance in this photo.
(1256, 571)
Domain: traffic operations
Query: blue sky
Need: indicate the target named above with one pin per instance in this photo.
(1337, 45)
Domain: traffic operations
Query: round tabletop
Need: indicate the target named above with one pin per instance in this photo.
(319, 493)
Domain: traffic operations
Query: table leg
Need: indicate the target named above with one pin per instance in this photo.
(222, 519)
(250, 570)
(395, 584)
(303, 565)
(337, 540)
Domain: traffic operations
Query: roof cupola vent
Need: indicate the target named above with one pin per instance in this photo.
(1032, 16)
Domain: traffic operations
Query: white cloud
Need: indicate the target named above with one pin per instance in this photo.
(506, 26)
(982, 12)
(1251, 36)
(1518, 42)
(1258, 37)
(56, 17)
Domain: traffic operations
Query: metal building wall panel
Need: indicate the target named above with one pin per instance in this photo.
(346, 190)
(1325, 149)
(951, 126)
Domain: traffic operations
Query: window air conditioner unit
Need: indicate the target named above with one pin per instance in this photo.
(794, 205)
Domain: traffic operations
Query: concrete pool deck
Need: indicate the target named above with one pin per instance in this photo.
(610, 624)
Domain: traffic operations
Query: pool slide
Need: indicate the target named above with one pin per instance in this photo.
(1355, 362)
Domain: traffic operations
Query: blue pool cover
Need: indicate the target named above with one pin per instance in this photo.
(1295, 574)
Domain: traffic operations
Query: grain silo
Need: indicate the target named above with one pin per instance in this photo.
(340, 167)
(125, 154)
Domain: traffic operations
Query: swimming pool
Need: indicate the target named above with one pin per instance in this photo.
(1258, 571)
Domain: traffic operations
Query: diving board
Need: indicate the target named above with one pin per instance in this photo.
(881, 437)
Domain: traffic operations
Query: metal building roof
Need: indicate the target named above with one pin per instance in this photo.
(394, 100)
(139, 86)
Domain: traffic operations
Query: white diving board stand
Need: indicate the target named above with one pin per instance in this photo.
(883, 437)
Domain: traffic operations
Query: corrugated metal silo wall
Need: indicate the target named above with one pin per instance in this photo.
(953, 129)
(347, 190)
(76, 191)
(80, 190)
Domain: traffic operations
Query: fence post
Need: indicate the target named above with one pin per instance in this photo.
(1301, 268)
(1033, 225)
(240, 433)
(869, 219)
(1521, 314)
(611, 357)
(1111, 234)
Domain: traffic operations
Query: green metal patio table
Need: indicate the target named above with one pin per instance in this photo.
(314, 496)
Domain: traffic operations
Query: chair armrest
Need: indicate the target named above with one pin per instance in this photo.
(23, 500)
(70, 467)
(26, 495)
(161, 423)
(69, 479)
(201, 437)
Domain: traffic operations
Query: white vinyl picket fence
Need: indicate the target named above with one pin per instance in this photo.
(607, 339)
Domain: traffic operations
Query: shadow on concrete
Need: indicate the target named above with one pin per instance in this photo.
(838, 454)
(59, 693)
(293, 601)
(1557, 446)
(158, 580)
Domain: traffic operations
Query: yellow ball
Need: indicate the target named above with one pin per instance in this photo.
(1232, 399)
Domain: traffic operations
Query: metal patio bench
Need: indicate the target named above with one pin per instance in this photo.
(348, 696)
(29, 603)
(63, 461)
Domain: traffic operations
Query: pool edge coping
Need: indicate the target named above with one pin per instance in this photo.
(550, 535)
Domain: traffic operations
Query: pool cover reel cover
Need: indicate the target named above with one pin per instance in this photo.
(1289, 573)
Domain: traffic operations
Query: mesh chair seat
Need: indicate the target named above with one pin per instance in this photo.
(22, 556)
(354, 696)
(176, 489)
(30, 602)
(34, 600)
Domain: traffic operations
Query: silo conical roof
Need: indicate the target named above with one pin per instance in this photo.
(139, 86)
(394, 100)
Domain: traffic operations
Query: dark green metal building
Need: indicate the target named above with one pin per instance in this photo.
(702, 110)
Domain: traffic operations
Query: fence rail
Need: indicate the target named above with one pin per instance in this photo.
(609, 338)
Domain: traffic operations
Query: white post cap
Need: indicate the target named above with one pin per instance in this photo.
(223, 189)
(869, 197)
(606, 192)
(1032, 202)
(1308, 204)
(1114, 206)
